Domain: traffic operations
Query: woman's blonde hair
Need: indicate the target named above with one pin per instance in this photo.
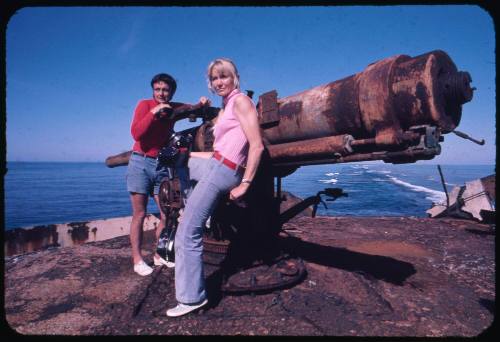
(226, 65)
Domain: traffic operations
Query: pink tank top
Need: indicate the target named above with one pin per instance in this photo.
(230, 140)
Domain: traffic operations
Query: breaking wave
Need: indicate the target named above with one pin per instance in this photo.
(360, 166)
(384, 172)
(329, 181)
(432, 195)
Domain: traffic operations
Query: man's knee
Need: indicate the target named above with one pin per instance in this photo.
(139, 214)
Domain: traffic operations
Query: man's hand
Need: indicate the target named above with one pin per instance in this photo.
(181, 212)
(159, 110)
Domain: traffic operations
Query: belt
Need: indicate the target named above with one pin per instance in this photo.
(227, 162)
(142, 154)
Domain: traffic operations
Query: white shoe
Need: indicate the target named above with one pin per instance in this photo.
(183, 309)
(158, 261)
(142, 269)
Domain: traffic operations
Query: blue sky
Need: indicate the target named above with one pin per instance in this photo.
(75, 74)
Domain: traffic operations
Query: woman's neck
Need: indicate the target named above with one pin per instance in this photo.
(226, 98)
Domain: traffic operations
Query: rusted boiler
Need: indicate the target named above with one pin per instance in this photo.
(395, 110)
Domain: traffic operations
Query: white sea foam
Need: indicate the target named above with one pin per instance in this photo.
(331, 174)
(358, 166)
(384, 172)
(432, 178)
(432, 195)
(328, 181)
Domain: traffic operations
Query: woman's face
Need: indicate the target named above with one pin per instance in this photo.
(222, 81)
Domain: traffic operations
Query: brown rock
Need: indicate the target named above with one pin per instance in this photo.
(375, 276)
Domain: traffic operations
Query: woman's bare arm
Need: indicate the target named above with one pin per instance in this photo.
(246, 113)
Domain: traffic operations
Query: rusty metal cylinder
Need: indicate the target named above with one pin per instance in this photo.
(382, 102)
(339, 145)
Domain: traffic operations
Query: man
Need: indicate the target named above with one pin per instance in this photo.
(151, 128)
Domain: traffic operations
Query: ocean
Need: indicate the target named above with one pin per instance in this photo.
(40, 193)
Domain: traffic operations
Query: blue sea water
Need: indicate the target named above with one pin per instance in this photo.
(379, 189)
(39, 193)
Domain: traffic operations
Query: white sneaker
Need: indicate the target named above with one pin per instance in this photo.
(158, 261)
(142, 269)
(183, 309)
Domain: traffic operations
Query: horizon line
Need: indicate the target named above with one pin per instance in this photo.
(361, 162)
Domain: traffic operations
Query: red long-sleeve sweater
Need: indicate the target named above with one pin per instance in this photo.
(150, 134)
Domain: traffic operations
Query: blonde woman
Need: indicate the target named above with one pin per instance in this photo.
(229, 169)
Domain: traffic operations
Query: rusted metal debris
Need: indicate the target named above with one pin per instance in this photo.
(475, 200)
(265, 277)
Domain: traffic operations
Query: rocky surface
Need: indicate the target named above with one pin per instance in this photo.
(365, 277)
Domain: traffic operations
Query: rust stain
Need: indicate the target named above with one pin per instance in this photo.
(390, 249)
(21, 240)
(79, 232)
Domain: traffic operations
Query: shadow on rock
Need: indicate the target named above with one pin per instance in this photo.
(488, 304)
(379, 267)
(480, 232)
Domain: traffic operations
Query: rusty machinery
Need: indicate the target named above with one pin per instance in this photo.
(396, 110)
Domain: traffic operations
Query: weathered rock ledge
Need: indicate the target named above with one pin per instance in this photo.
(375, 276)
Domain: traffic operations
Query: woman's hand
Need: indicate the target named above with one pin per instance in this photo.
(204, 101)
(204, 155)
(237, 193)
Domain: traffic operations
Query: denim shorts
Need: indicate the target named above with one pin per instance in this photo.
(142, 176)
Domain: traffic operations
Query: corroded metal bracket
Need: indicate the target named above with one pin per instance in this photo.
(268, 108)
(170, 195)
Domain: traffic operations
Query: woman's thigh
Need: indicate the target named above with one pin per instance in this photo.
(191, 174)
(217, 181)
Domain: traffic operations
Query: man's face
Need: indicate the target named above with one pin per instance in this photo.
(161, 92)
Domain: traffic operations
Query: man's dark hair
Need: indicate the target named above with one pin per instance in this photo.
(168, 80)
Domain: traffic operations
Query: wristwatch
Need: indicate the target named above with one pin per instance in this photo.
(246, 180)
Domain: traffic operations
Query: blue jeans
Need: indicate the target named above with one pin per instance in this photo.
(215, 180)
(189, 175)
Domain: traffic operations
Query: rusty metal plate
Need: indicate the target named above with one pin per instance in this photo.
(264, 277)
